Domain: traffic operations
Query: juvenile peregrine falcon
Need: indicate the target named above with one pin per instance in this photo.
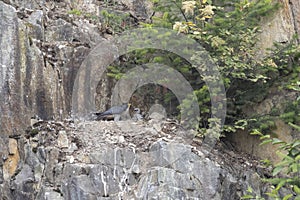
(137, 115)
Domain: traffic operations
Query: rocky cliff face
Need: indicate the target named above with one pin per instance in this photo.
(123, 160)
(42, 47)
(39, 62)
(281, 27)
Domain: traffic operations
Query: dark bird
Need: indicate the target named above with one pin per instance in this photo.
(116, 111)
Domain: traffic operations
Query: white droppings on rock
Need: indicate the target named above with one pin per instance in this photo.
(121, 139)
(62, 140)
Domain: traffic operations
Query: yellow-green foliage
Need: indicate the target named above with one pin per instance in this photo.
(285, 173)
(75, 12)
(116, 21)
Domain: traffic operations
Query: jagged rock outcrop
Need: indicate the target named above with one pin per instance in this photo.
(123, 160)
